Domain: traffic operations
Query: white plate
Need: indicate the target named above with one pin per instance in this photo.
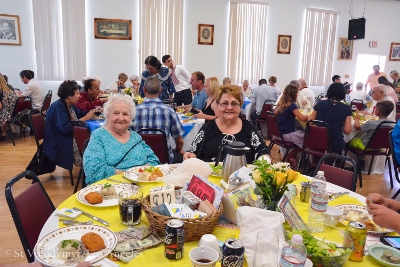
(188, 122)
(96, 188)
(46, 249)
(133, 174)
(376, 252)
(361, 209)
(308, 263)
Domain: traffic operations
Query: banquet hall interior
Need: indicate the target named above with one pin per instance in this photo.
(107, 57)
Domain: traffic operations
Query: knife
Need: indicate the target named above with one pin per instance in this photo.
(93, 217)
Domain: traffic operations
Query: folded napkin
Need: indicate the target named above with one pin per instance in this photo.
(254, 220)
(184, 172)
(242, 175)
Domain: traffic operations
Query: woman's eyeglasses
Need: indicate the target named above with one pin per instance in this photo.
(234, 105)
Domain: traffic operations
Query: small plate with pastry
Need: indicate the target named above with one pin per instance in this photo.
(146, 174)
(101, 195)
(360, 214)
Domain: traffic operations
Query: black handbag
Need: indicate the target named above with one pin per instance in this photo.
(40, 163)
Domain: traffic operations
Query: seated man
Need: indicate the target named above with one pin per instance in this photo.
(33, 89)
(359, 93)
(88, 99)
(197, 81)
(261, 94)
(152, 113)
(382, 110)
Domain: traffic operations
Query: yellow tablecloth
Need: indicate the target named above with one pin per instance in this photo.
(155, 256)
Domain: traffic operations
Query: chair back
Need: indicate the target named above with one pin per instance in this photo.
(319, 97)
(30, 210)
(268, 106)
(81, 133)
(358, 103)
(157, 140)
(46, 102)
(397, 116)
(379, 138)
(274, 132)
(38, 126)
(316, 136)
(333, 166)
(22, 103)
(168, 102)
(397, 107)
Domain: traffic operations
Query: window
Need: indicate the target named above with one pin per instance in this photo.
(319, 46)
(247, 42)
(161, 29)
(60, 39)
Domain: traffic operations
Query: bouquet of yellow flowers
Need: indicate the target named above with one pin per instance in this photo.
(128, 90)
(272, 180)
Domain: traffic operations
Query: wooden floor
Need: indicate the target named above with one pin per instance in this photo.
(14, 159)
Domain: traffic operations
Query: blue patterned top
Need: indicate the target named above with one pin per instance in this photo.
(152, 113)
(104, 152)
(164, 76)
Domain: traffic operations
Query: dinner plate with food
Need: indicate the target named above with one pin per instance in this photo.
(146, 174)
(216, 170)
(360, 214)
(70, 245)
(180, 111)
(100, 195)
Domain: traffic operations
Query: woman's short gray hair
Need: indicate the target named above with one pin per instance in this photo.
(359, 86)
(134, 77)
(119, 98)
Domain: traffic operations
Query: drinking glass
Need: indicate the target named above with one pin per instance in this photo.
(97, 112)
(267, 249)
(130, 206)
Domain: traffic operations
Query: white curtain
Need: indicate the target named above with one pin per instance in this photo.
(247, 42)
(60, 39)
(319, 46)
(161, 29)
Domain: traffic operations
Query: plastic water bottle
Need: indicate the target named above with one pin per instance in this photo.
(294, 254)
(318, 205)
(318, 182)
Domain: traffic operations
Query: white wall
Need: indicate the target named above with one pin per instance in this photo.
(13, 58)
(107, 58)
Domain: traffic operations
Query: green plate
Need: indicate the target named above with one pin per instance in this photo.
(376, 252)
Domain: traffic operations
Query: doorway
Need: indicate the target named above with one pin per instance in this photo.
(364, 65)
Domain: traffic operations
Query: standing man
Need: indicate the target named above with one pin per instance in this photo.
(372, 79)
(33, 90)
(307, 92)
(181, 80)
(152, 113)
(197, 81)
(261, 94)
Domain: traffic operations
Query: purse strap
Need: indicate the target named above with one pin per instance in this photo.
(127, 153)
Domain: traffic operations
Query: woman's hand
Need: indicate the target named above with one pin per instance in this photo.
(380, 215)
(375, 198)
(88, 115)
(200, 115)
(189, 155)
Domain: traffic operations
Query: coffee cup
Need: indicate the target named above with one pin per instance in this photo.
(333, 215)
(209, 240)
(130, 206)
(203, 257)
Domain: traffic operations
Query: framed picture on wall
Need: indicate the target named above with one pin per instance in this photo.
(206, 34)
(10, 33)
(345, 49)
(284, 44)
(114, 29)
(394, 52)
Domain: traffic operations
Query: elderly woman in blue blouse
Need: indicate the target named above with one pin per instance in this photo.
(114, 148)
(164, 75)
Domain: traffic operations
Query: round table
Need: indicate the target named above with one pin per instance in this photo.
(155, 256)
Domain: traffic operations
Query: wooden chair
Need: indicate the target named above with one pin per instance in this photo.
(21, 104)
(316, 144)
(46, 103)
(268, 106)
(82, 134)
(358, 103)
(30, 211)
(158, 142)
(275, 135)
(396, 165)
(378, 145)
(334, 166)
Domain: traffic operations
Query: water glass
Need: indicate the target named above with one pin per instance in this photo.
(130, 206)
(267, 249)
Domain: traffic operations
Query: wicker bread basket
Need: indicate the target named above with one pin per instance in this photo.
(194, 228)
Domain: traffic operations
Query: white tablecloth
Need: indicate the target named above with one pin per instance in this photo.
(188, 139)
